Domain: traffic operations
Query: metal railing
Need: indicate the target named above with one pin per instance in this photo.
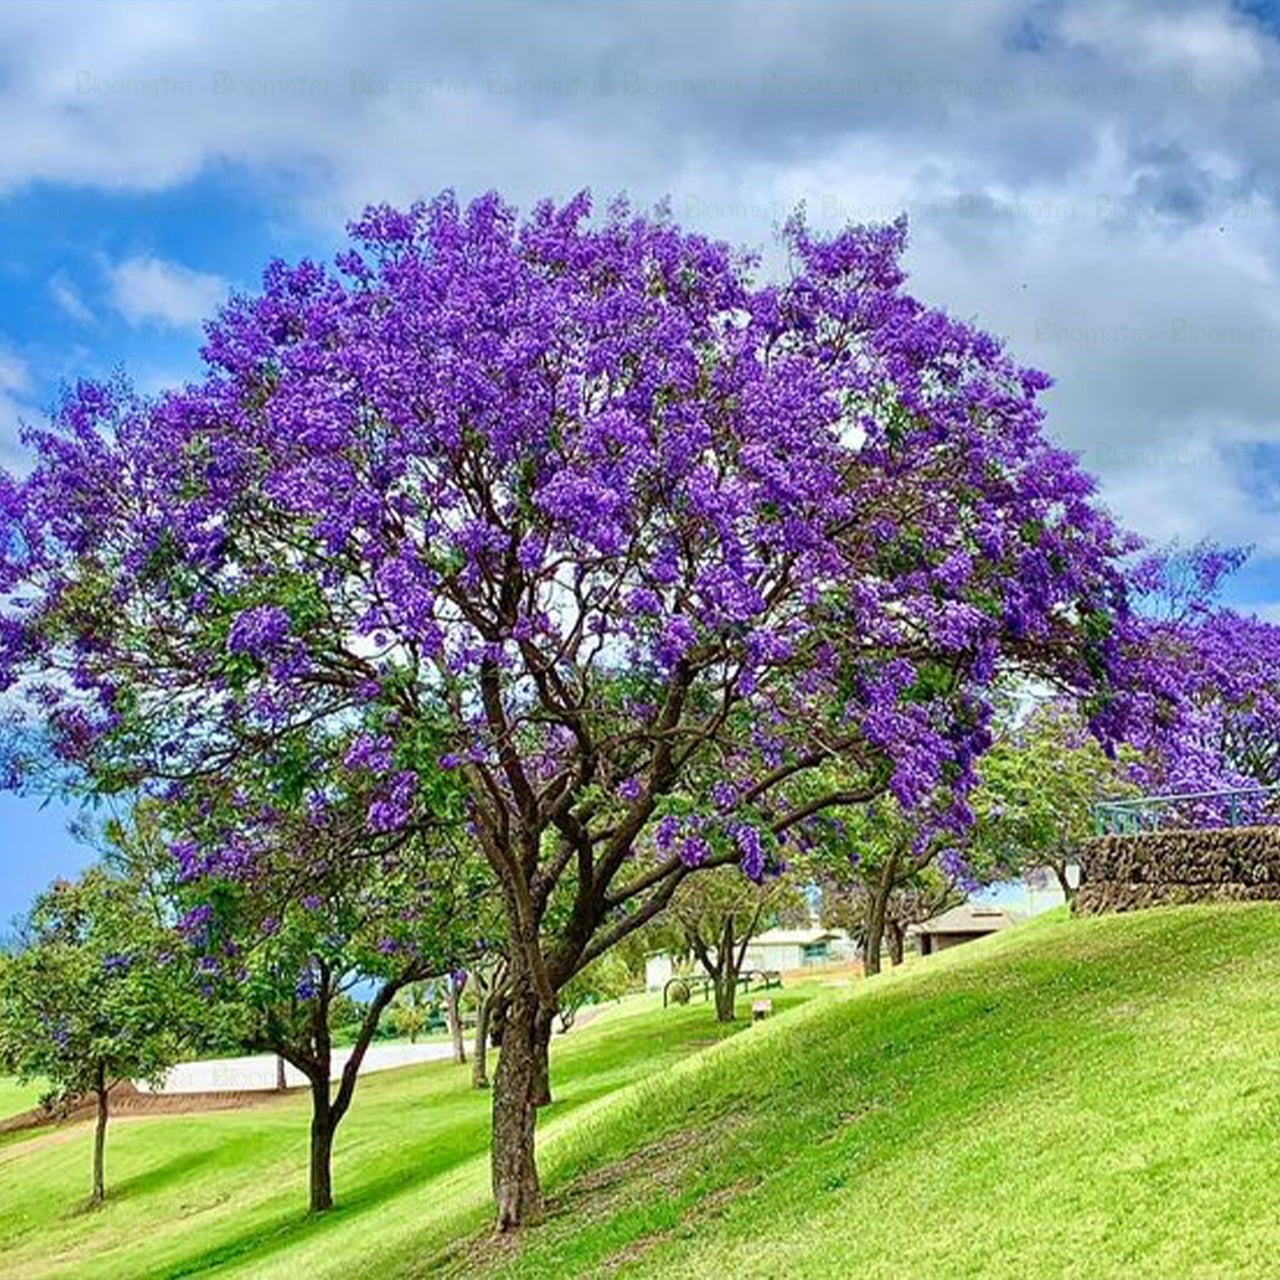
(1235, 807)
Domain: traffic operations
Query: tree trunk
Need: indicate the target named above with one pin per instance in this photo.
(323, 1124)
(726, 985)
(479, 1057)
(1068, 890)
(454, 1019)
(894, 932)
(282, 1082)
(726, 976)
(100, 1138)
(876, 915)
(515, 1171)
(542, 1059)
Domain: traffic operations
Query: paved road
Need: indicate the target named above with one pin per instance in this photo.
(218, 1074)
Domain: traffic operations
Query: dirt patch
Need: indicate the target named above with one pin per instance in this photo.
(125, 1101)
(662, 1168)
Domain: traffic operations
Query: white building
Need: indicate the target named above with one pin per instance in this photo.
(775, 949)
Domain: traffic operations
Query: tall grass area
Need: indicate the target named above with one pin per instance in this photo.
(224, 1193)
(1075, 1098)
(1071, 1099)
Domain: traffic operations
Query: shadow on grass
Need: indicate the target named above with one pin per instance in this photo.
(264, 1242)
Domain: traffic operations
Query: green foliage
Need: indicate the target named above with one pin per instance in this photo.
(1039, 782)
(605, 978)
(98, 987)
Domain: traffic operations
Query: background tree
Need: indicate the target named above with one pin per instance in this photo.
(598, 512)
(450, 988)
(1204, 714)
(606, 978)
(294, 908)
(715, 917)
(488, 977)
(879, 869)
(95, 993)
(1040, 782)
(412, 1011)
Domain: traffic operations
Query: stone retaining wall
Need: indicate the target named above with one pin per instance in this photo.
(1234, 864)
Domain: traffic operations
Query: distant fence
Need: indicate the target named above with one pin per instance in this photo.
(1191, 810)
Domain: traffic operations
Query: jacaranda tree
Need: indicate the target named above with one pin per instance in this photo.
(96, 992)
(603, 514)
(290, 906)
(1204, 713)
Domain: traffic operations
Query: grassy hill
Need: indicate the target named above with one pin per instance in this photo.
(1075, 1098)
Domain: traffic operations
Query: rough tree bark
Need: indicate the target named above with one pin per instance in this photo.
(896, 936)
(100, 1136)
(542, 1058)
(453, 1017)
(323, 1124)
(515, 1173)
(876, 915)
(480, 1053)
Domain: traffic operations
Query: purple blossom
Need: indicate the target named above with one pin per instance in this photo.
(258, 630)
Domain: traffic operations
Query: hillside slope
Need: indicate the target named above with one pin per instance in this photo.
(1076, 1098)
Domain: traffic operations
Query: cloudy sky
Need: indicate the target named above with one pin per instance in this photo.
(1099, 183)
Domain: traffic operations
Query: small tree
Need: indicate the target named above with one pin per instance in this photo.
(715, 917)
(1039, 783)
(869, 856)
(294, 901)
(607, 978)
(92, 995)
(411, 1011)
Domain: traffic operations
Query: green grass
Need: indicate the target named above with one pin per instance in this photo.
(223, 1194)
(15, 1097)
(1074, 1098)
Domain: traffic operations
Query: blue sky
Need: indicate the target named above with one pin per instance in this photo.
(1097, 182)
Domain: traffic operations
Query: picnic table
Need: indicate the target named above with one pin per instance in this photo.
(683, 987)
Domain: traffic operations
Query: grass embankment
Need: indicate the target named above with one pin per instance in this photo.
(1075, 1098)
(16, 1098)
(224, 1193)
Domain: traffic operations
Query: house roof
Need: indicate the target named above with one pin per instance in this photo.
(792, 937)
(971, 917)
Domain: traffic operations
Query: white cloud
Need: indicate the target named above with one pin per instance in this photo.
(1059, 173)
(68, 298)
(149, 290)
(15, 377)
